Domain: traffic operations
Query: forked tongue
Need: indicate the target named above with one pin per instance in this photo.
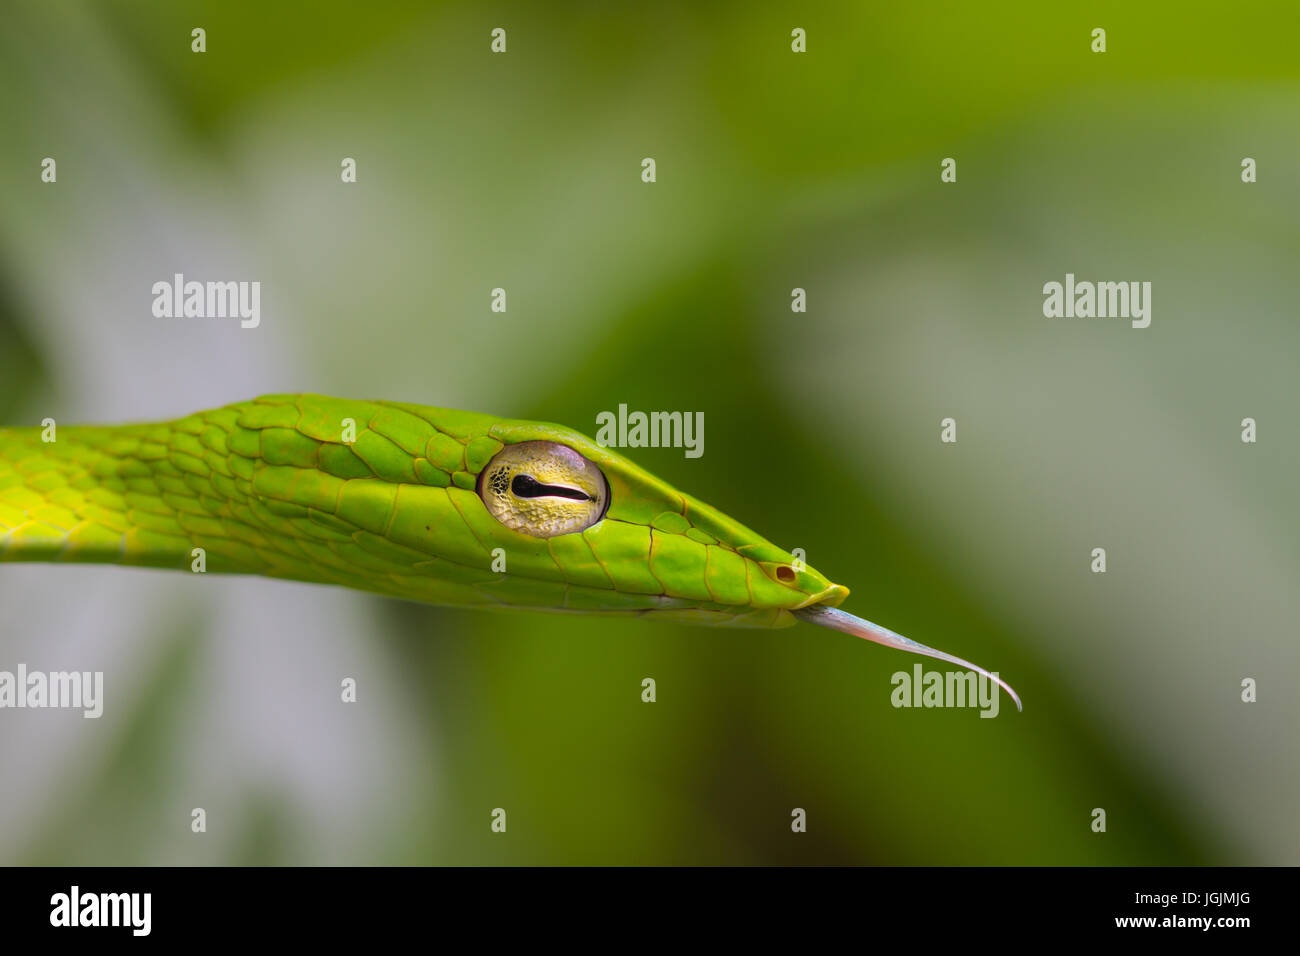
(842, 621)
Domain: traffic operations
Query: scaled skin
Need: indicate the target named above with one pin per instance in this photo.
(269, 487)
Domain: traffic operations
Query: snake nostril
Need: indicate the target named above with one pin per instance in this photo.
(785, 574)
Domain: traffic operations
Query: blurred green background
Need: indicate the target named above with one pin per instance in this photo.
(775, 170)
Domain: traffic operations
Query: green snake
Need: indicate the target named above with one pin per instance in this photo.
(427, 504)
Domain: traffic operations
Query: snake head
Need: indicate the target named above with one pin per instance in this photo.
(660, 545)
(660, 550)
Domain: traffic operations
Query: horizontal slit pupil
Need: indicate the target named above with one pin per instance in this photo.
(526, 486)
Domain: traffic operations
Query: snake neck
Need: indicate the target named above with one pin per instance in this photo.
(100, 495)
(251, 488)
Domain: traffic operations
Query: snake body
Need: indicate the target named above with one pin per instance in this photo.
(379, 496)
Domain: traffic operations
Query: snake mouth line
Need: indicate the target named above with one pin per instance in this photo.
(832, 596)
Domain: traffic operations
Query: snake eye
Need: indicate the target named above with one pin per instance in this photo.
(544, 489)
